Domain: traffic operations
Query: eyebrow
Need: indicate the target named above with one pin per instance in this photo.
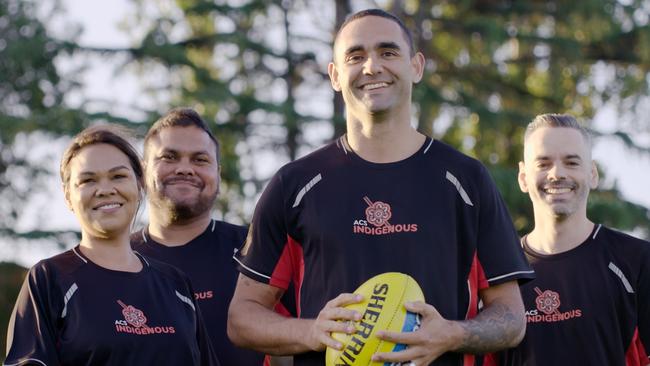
(353, 49)
(380, 45)
(119, 167)
(174, 151)
(391, 45)
(571, 156)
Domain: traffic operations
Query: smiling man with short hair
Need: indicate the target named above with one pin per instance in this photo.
(181, 165)
(590, 302)
(381, 198)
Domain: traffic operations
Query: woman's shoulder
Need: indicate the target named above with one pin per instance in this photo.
(60, 264)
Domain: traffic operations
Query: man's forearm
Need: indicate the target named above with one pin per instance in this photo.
(496, 327)
(253, 326)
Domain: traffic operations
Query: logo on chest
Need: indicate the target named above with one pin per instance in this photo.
(135, 322)
(547, 308)
(377, 220)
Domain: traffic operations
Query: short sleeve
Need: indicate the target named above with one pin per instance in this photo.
(499, 250)
(32, 331)
(267, 237)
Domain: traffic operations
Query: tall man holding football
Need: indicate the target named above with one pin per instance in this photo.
(381, 198)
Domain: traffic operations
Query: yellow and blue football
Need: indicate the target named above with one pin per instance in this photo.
(382, 309)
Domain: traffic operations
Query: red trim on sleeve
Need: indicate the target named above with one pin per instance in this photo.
(482, 279)
(281, 309)
(491, 359)
(290, 267)
(469, 360)
(476, 281)
(636, 354)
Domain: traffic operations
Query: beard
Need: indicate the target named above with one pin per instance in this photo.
(565, 209)
(181, 210)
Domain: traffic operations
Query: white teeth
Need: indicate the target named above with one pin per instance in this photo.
(558, 190)
(374, 86)
(109, 206)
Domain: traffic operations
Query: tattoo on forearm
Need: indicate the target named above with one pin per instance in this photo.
(494, 328)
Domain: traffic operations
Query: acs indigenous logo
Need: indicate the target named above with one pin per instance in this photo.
(547, 301)
(377, 214)
(547, 305)
(133, 316)
(135, 322)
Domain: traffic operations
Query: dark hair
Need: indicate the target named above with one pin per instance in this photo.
(113, 135)
(180, 117)
(383, 14)
(557, 120)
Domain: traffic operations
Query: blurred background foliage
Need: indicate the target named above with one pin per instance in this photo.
(256, 71)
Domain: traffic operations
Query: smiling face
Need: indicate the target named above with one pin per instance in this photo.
(103, 191)
(557, 172)
(182, 173)
(373, 68)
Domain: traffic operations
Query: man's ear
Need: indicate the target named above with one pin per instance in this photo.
(66, 196)
(521, 177)
(417, 64)
(595, 177)
(334, 76)
(218, 178)
(142, 182)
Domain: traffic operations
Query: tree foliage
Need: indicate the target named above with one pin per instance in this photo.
(31, 101)
(256, 70)
(11, 278)
(494, 65)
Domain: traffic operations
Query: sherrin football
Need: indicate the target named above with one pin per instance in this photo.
(382, 309)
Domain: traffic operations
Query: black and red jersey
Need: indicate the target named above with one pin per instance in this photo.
(71, 311)
(331, 220)
(207, 261)
(587, 306)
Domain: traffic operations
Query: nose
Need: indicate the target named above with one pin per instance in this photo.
(105, 188)
(557, 172)
(372, 65)
(184, 167)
